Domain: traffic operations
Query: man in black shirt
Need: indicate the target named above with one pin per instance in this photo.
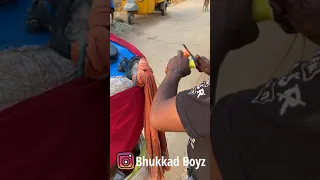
(188, 111)
(271, 132)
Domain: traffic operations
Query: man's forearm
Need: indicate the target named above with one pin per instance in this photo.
(168, 88)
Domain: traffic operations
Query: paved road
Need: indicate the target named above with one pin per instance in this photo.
(159, 38)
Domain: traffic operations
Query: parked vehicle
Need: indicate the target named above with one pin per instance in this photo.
(143, 7)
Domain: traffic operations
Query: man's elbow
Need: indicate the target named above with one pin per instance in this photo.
(154, 122)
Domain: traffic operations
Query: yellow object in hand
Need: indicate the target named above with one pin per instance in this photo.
(191, 61)
(261, 10)
(191, 64)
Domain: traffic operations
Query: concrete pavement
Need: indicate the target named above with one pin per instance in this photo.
(159, 38)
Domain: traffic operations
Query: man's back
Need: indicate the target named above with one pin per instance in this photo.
(271, 132)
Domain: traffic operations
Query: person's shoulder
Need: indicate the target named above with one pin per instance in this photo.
(197, 98)
(193, 107)
(277, 94)
(291, 97)
(202, 91)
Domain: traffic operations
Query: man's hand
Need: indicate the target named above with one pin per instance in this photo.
(203, 64)
(178, 65)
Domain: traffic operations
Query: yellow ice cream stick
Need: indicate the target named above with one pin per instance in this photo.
(191, 64)
(261, 11)
(191, 61)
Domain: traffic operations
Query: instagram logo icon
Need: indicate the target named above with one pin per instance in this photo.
(125, 160)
